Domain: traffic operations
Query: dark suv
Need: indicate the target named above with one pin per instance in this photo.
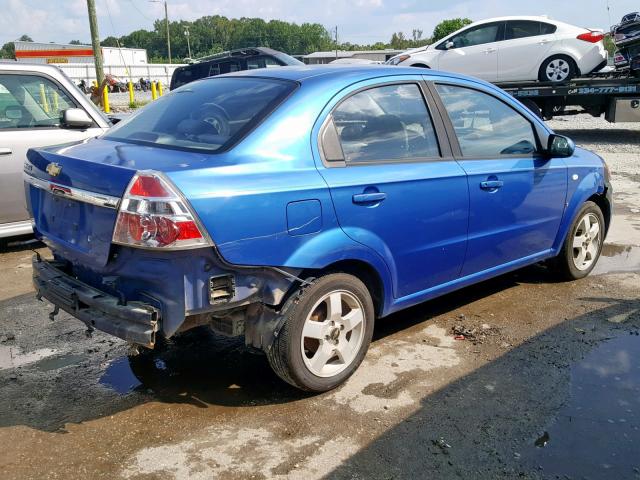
(231, 61)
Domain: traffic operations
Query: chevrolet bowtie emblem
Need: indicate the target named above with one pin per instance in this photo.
(54, 169)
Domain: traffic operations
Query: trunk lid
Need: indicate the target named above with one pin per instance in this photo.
(96, 173)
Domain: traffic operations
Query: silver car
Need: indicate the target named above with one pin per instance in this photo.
(39, 106)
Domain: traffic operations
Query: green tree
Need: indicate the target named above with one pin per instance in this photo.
(446, 27)
(25, 38)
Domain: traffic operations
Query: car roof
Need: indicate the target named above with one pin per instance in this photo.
(238, 52)
(533, 18)
(33, 67)
(351, 72)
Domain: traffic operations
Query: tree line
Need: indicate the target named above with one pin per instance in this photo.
(213, 34)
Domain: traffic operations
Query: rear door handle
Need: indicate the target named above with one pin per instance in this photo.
(491, 184)
(369, 197)
(490, 50)
(542, 42)
(5, 151)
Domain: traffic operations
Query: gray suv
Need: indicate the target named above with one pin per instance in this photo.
(39, 106)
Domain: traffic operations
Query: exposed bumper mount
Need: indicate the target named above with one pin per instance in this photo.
(135, 322)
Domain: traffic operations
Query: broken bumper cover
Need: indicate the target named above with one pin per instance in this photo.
(135, 322)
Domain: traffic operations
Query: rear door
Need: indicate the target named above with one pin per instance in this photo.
(474, 52)
(30, 110)
(525, 46)
(517, 196)
(394, 184)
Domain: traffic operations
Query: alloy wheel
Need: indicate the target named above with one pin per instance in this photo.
(333, 333)
(586, 242)
(558, 70)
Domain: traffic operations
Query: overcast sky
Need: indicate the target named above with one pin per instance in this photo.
(359, 21)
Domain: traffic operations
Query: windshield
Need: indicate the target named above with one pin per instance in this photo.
(211, 114)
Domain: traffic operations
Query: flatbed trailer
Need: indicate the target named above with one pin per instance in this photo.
(614, 95)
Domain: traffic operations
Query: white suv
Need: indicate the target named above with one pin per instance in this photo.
(513, 49)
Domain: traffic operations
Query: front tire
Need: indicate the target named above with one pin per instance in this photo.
(582, 247)
(327, 330)
(557, 69)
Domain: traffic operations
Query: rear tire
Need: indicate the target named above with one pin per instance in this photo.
(327, 330)
(557, 69)
(581, 249)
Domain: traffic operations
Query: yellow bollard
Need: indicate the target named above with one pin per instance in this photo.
(131, 98)
(56, 103)
(43, 99)
(154, 92)
(105, 100)
(160, 92)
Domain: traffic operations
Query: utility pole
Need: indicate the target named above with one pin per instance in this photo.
(166, 21)
(186, 34)
(95, 40)
(336, 41)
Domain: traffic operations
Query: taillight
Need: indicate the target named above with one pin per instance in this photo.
(591, 37)
(154, 215)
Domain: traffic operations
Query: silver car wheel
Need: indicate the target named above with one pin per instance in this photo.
(586, 242)
(332, 333)
(558, 70)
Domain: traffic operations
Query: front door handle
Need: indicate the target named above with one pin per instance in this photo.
(373, 197)
(5, 151)
(491, 184)
(490, 50)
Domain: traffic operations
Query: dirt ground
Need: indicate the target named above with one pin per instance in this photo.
(545, 384)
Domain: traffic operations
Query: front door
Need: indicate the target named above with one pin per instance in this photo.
(516, 196)
(30, 110)
(474, 52)
(397, 189)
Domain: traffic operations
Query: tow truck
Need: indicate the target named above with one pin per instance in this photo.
(614, 94)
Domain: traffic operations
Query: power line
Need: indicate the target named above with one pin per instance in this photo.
(140, 11)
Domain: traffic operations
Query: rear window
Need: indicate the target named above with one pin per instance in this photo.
(210, 115)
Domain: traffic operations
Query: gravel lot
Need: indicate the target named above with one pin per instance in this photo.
(545, 385)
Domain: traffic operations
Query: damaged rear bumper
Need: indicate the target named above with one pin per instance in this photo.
(135, 321)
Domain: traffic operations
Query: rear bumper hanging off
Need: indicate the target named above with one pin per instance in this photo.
(135, 322)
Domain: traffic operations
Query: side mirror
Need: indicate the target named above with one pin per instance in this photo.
(449, 45)
(560, 146)
(76, 118)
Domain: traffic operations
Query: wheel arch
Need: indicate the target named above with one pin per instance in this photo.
(420, 65)
(590, 189)
(365, 272)
(565, 53)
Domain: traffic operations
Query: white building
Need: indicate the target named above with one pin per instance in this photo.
(317, 58)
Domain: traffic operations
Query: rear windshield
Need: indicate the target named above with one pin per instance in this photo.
(211, 114)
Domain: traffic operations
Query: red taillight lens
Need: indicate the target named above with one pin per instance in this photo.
(591, 37)
(148, 186)
(153, 215)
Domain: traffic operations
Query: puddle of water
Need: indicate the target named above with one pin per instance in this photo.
(618, 259)
(597, 434)
(54, 363)
(119, 376)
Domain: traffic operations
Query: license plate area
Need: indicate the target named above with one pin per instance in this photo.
(78, 230)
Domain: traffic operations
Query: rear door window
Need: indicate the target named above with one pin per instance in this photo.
(485, 126)
(526, 28)
(386, 123)
(211, 114)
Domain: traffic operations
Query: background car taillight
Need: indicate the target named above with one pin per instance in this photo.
(591, 37)
(154, 215)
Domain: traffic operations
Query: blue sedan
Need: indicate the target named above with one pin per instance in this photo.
(296, 206)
